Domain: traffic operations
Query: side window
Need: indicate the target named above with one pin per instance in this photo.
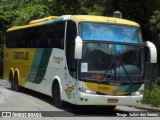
(35, 37)
(38, 37)
(19, 36)
(71, 33)
(60, 34)
(23, 38)
(54, 35)
(14, 39)
(8, 39)
(31, 41)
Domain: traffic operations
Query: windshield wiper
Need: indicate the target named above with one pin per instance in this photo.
(125, 70)
(108, 72)
(107, 76)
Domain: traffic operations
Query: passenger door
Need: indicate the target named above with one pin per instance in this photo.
(71, 63)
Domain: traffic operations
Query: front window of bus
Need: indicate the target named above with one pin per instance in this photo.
(111, 53)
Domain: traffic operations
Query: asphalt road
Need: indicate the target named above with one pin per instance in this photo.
(31, 103)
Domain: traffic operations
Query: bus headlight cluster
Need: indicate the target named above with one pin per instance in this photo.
(139, 92)
(87, 91)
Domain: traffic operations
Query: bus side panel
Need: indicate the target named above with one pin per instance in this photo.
(57, 69)
(39, 65)
(20, 59)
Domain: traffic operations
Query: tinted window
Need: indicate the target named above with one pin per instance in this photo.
(54, 35)
(38, 37)
(15, 39)
(108, 32)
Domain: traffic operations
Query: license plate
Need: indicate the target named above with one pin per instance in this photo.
(112, 101)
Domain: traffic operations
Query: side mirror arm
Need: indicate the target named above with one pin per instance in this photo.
(78, 48)
(152, 51)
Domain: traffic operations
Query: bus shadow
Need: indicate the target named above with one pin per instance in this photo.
(74, 110)
(92, 111)
(35, 94)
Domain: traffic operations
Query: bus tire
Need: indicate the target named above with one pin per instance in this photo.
(56, 96)
(111, 107)
(17, 87)
(12, 81)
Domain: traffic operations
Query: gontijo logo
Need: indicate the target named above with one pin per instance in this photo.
(21, 55)
(57, 60)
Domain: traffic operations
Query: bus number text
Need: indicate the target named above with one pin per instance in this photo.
(103, 88)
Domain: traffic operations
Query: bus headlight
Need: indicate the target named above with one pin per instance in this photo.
(87, 91)
(139, 92)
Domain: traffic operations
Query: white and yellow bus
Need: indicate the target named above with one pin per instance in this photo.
(80, 59)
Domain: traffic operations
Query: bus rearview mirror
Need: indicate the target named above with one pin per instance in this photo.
(78, 48)
(150, 52)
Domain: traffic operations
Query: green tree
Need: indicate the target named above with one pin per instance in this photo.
(7, 13)
(155, 23)
(30, 12)
(138, 11)
(15, 12)
(155, 30)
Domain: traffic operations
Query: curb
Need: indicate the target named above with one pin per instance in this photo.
(149, 108)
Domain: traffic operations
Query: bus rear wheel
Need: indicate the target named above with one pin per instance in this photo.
(12, 82)
(56, 96)
(17, 87)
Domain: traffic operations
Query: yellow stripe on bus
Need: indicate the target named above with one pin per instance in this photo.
(104, 89)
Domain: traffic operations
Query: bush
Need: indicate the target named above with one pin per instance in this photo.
(155, 96)
(152, 96)
(146, 96)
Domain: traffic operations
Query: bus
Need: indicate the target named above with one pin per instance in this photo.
(79, 59)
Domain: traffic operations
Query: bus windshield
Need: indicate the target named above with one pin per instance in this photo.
(112, 59)
(110, 32)
(112, 62)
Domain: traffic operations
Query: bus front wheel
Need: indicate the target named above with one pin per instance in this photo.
(111, 107)
(56, 96)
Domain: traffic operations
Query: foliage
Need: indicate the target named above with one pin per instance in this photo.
(63, 7)
(25, 15)
(21, 12)
(94, 7)
(152, 96)
(138, 11)
(155, 28)
(146, 96)
(155, 23)
(7, 13)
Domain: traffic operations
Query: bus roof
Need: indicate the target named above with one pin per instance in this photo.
(112, 20)
(77, 18)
